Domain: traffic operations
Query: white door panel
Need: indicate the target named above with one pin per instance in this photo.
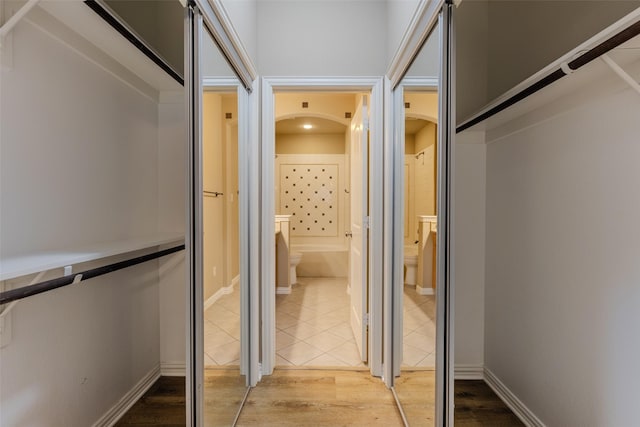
(359, 235)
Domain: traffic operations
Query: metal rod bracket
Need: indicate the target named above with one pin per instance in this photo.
(620, 72)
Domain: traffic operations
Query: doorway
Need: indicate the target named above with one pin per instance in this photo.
(319, 288)
(321, 145)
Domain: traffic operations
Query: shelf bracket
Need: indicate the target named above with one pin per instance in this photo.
(11, 22)
(621, 73)
(12, 304)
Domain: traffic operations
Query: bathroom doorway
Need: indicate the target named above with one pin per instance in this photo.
(321, 142)
(317, 313)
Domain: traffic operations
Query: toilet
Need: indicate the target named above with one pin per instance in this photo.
(294, 260)
(411, 265)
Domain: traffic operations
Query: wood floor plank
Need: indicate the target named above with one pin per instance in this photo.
(162, 405)
(477, 405)
(318, 398)
(224, 390)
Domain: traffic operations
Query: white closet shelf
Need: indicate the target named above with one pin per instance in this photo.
(17, 266)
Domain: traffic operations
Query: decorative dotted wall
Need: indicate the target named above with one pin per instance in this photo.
(309, 194)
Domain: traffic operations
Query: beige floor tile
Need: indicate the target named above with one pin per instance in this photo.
(215, 337)
(284, 320)
(326, 360)
(420, 341)
(317, 311)
(343, 330)
(208, 361)
(303, 330)
(410, 323)
(299, 353)
(325, 341)
(428, 329)
(347, 352)
(216, 313)
(225, 353)
(230, 326)
(290, 308)
(411, 355)
(427, 362)
(283, 340)
(308, 314)
(280, 361)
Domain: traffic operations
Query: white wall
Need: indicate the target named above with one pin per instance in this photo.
(425, 170)
(562, 268)
(427, 62)
(399, 16)
(65, 165)
(243, 16)
(212, 207)
(470, 178)
(172, 180)
(78, 165)
(322, 38)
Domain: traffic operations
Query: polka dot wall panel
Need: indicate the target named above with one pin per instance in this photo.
(309, 193)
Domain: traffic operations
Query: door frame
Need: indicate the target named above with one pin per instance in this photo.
(428, 14)
(228, 85)
(426, 85)
(375, 86)
(200, 16)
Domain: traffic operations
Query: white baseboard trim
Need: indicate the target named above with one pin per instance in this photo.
(283, 290)
(235, 281)
(225, 290)
(469, 372)
(173, 369)
(424, 291)
(511, 400)
(128, 400)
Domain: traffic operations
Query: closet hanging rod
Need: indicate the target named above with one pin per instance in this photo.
(609, 44)
(120, 26)
(49, 285)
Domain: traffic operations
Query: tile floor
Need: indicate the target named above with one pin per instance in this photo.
(222, 331)
(418, 324)
(312, 327)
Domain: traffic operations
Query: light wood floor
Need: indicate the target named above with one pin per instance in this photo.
(320, 398)
(297, 397)
(416, 390)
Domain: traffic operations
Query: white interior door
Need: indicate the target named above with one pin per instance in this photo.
(359, 233)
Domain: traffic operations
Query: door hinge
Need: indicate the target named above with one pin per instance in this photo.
(365, 319)
(366, 222)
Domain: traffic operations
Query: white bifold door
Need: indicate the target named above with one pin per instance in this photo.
(359, 226)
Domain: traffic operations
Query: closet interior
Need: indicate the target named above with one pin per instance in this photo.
(560, 202)
(91, 175)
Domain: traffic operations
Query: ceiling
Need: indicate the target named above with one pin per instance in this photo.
(319, 126)
(413, 126)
